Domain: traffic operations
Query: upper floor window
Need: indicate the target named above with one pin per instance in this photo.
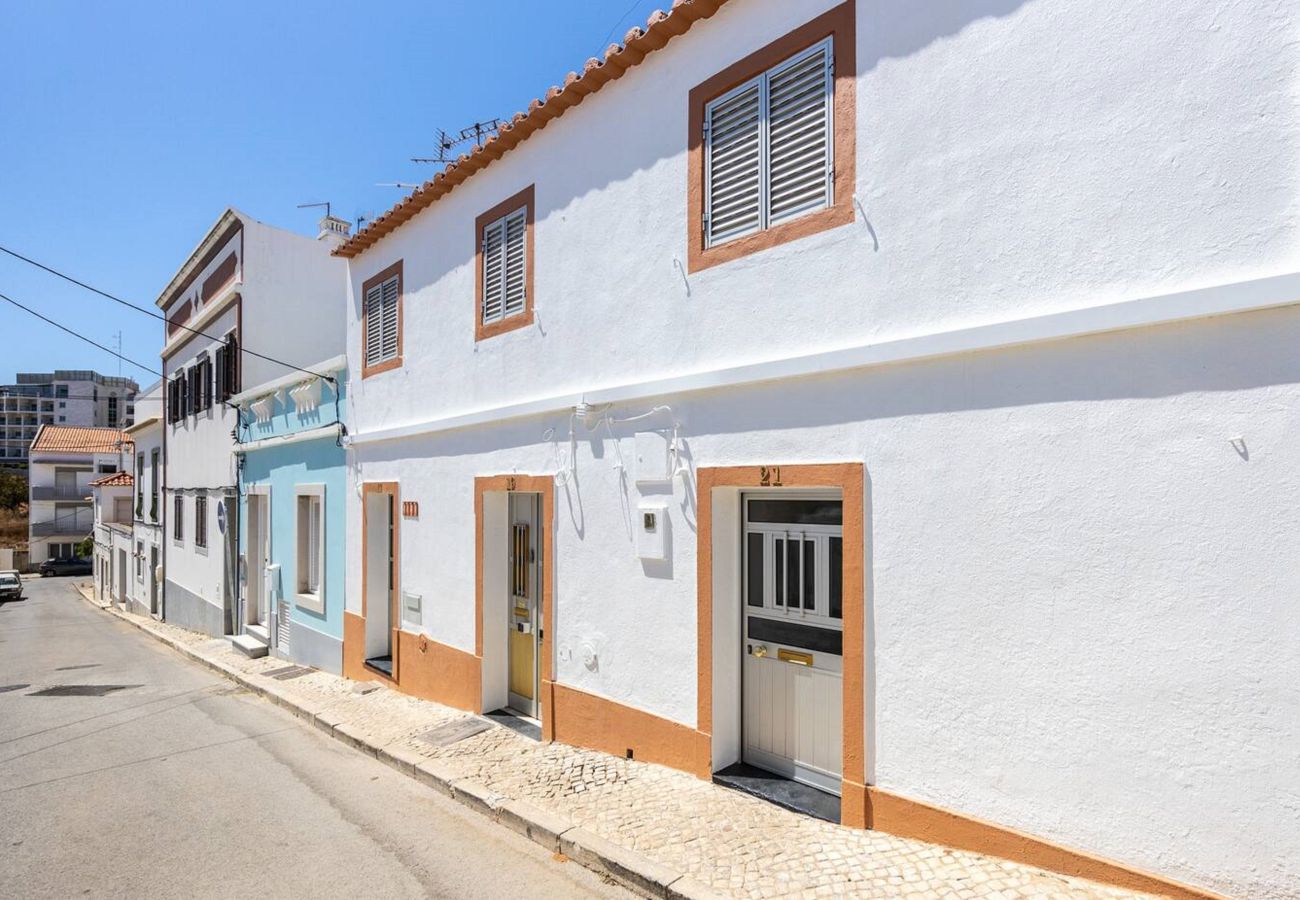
(381, 321)
(772, 144)
(504, 262)
(227, 368)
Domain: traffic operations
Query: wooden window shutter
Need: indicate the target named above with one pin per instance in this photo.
(799, 135)
(734, 163)
(388, 348)
(768, 147)
(494, 251)
(233, 364)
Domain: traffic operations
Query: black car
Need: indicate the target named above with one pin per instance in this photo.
(66, 565)
(11, 586)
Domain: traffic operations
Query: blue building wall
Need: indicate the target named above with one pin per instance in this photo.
(315, 638)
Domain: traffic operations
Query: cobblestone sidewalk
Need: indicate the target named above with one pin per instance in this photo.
(663, 832)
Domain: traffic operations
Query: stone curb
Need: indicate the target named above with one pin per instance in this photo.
(629, 868)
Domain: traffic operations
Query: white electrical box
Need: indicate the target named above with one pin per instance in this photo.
(652, 530)
(652, 463)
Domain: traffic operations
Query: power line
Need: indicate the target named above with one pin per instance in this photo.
(159, 316)
(614, 27)
(79, 336)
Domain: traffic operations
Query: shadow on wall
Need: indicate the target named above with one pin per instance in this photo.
(643, 141)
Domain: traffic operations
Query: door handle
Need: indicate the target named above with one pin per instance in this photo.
(793, 656)
(759, 652)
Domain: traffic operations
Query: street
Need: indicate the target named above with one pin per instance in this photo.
(127, 771)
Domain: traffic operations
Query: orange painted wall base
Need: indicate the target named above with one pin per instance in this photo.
(585, 720)
(883, 810)
(425, 669)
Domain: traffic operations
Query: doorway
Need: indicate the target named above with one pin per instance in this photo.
(523, 601)
(379, 528)
(259, 554)
(122, 578)
(792, 635)
(153, 580)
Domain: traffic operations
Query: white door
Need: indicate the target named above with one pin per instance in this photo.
(793, 636)
(259, 553)
(524, 617)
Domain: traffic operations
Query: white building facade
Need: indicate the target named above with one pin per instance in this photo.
(244, 279)
(63, 463)
(902, 401)
(112, 496)
(144, 592)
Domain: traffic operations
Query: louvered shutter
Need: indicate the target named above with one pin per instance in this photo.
(733, 164)
(799, 133)
(768, 147)
(516, 261)
(381, 321)
(494, 275)
(374, 324)
(388, 346)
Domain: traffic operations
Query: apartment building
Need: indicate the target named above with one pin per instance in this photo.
(899, 401)
(73, 397)
(64, 461)
(245, 283)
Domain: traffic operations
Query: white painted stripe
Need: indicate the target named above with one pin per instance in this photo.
(1164, 309)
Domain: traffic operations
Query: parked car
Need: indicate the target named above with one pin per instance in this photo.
(66, 565)
(11, 586)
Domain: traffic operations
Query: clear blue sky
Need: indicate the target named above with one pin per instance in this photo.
(127, 128)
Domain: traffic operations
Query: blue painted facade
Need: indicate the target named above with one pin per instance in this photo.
(315, 638)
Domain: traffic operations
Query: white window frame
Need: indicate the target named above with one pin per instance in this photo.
(762, 81)
(313, 601)
(503, 225)
(772, 531)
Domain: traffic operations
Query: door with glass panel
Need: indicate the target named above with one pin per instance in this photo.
(524, 616)
(793, 549)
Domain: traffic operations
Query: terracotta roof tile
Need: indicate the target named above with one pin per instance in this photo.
(660, 28)
(117, 479)
(71, 439)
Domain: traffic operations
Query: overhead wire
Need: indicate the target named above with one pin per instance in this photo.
(82, 337)
(156, 315)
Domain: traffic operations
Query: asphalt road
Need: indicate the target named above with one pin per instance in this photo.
(174, 782)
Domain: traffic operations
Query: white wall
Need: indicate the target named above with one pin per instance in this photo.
(1079, 589)
(1014, 158)
(1077, 586)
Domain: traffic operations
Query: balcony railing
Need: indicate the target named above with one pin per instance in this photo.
(62, 527)
(50, 492)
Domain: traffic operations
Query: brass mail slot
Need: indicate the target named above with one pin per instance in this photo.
(794, 656)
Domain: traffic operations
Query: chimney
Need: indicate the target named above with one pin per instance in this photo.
(333, 229)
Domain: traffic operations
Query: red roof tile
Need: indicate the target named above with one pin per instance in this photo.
(117, 479)
(660, 28)
(71, 439)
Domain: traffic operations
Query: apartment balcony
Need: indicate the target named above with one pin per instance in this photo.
(50, 492)
(61, 528)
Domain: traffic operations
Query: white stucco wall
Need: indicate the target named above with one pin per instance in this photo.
(1078, 585)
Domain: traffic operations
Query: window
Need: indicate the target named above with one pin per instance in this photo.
(122, 510)
(107, 468)
(139, 561)
(153, 484)
(63, 404)
(794, 557)
(112, 412)
(772, 144)
(139, 485)
(227, 377)
(61, 390)
(310, 499)
(201, 521)
(178, 518)
(503, 256)
(381, 321)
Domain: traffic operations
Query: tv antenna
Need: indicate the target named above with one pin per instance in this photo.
(397, 184)
(478, 133)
